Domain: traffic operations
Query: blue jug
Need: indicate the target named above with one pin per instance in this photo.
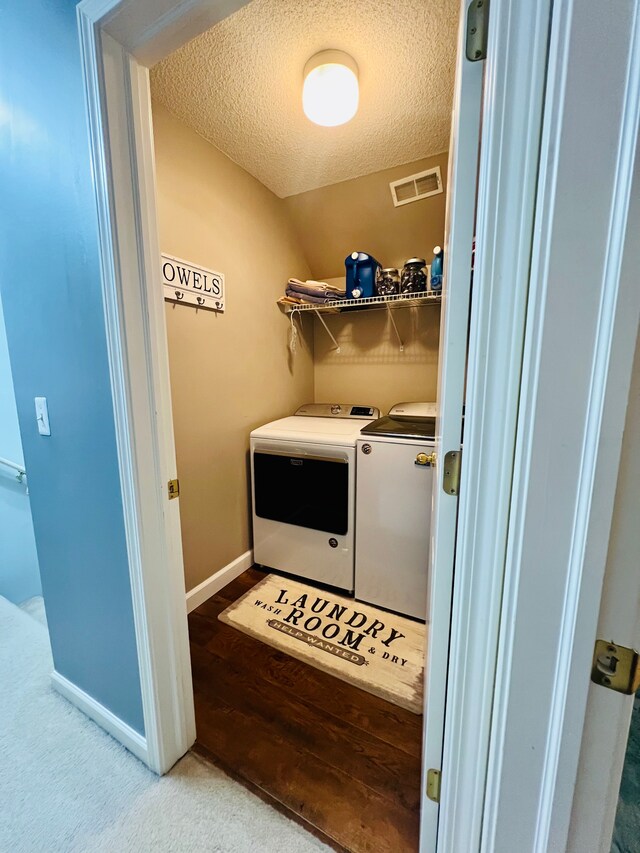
(436, 270)
(362, 272)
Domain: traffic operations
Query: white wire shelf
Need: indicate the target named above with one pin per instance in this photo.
(338, 306)
(342, 306)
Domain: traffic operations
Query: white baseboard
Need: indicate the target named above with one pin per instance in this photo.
(199, 594)
(107, 720)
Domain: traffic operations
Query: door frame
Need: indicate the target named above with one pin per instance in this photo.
(119, 40)
(508, 124)
(511, 129)
(608, 714)
(582, 324)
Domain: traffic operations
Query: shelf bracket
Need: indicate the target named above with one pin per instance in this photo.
(336, 345)
(395, 328)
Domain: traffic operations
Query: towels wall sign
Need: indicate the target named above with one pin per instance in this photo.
(193, 285)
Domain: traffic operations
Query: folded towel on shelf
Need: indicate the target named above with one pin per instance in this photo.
(313, 291)
(315, 285)
(314, 300)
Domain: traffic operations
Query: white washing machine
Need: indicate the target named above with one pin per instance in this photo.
(303, 489)
(393, 509)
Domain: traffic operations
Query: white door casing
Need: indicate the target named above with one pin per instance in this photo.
(117, 38)
(459, 232)
(512, 111)
(608, 714)
(582, 322)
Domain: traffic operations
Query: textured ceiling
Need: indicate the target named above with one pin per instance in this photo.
(240, 83)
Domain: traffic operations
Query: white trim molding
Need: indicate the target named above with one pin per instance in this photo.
(118, 40)
(107, 720)
(452, 361)
(123, 170)
(199, 594)
(514, 87)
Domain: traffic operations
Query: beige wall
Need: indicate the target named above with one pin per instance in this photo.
(370, 369)
(233, 372)
(331, 222)
(334, 221)
(230, 372)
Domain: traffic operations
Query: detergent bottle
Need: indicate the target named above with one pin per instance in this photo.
(436, 270)
(362, 270)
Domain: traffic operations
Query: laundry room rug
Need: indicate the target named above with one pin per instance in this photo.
(370, 648)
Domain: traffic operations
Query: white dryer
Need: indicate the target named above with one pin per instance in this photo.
(303, 489)
(393, 509)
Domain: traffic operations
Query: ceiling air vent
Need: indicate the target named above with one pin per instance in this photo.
(416, 187)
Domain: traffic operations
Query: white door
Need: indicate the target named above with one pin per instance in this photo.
(606, 732)
(459, 233)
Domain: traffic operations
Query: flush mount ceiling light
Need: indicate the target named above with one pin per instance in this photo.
(330, 90)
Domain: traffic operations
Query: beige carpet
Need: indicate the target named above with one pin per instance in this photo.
(370, 648)
(67, 787)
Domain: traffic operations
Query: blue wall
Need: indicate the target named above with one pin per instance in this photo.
(51, 294)
(19, 575)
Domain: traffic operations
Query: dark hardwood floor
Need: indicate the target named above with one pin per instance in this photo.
(344, 762)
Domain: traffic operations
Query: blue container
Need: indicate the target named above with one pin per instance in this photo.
(362, 271)
(436, 270)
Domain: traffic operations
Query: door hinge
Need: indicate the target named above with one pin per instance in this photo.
(477, 30)
(174, 489)
(451, 474)
(615, 667)
(434, 778)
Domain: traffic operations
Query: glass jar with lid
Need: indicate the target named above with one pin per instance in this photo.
(388, 282)
(414, 276)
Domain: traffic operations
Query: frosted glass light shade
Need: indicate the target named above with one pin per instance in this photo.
(330, 91)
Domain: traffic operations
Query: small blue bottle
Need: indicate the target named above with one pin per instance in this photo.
(436, 270)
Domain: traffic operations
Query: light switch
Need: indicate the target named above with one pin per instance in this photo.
(42, 416)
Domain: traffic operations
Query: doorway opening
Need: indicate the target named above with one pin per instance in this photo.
(327, 324)
(118, 47)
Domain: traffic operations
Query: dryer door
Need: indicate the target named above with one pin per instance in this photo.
(301, 489)
(303, 509)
